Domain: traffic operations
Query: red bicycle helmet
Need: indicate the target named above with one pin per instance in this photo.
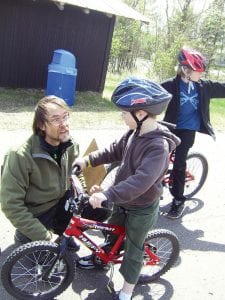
(193, 59)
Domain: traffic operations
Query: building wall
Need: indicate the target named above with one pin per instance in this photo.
(31, 30)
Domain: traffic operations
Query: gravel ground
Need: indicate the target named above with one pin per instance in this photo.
(199, 272)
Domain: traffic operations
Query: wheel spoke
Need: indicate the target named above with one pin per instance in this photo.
(196, 173)
(29, 278)
(165, 249)
(23, 271)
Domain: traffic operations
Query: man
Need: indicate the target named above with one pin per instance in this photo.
(35, 175)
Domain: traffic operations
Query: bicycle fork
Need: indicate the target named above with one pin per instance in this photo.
(62, 248)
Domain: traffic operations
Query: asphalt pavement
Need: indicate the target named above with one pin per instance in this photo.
(199, 272)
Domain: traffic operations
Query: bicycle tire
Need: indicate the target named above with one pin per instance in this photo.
(22, 270)
(197, 165)
(165, 245)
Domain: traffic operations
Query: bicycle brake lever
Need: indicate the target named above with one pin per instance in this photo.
(70, 205)
(76, 170)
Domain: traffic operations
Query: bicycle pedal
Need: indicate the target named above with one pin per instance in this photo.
(106, 246)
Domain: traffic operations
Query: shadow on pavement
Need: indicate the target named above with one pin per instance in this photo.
(91, 284)
(189, 239)
(94, 283)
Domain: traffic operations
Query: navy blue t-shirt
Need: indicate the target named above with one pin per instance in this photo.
(189, 112)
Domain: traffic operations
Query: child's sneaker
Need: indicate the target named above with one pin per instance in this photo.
(176, 209)
(86, 262)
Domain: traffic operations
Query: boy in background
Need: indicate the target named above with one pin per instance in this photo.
(189, 111)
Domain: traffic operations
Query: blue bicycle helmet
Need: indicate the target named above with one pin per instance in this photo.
(134, 94)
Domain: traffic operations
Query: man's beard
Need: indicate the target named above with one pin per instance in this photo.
(64, 137)
(58, 139)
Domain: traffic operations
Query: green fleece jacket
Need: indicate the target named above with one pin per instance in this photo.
(32, 182)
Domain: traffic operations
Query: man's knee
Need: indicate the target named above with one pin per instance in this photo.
(21, 238)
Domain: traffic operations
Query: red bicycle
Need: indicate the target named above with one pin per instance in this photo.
(43, 270)
(195, 175)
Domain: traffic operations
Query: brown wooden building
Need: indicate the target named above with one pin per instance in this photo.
(30, 30)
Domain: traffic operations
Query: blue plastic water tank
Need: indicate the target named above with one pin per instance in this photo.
(62, 75)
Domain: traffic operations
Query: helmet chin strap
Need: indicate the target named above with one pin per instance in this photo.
(190, 82)
(139, 122)
(190, 86)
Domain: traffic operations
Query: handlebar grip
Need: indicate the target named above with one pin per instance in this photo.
(167, 124)
(76, 170)
(107, 204)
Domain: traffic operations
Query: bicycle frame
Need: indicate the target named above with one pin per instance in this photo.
(76, 229)
(167, 180)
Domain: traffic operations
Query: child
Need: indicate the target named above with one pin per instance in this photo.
(189, 110)
(143, 152)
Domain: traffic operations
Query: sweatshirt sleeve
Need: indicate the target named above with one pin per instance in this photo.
(216, 89)
(113, 153)
(152, 167)
(14, 184)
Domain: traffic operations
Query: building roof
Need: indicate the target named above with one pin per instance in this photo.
(110, 7)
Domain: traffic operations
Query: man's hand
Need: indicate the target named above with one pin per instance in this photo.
(96, 200)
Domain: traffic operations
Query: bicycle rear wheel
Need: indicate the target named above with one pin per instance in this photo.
(22, 272)
(196, 174)
(161, 252)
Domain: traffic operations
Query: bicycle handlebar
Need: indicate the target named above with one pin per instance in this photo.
(167, 124)
(83, 198)
(76, 169)
(107, 204)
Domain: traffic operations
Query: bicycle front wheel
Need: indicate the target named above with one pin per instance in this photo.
(161, 252)
(196, 173)
(22, 272)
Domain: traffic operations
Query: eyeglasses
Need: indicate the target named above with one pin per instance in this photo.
(58, 121)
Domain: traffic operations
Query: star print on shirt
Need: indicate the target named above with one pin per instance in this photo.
(191, 99)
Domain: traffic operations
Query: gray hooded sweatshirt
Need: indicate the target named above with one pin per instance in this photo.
(144, 161)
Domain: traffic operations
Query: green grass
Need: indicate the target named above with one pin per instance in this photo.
(17, 100)
(91, 110)
(111, 82)
(217, 112)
